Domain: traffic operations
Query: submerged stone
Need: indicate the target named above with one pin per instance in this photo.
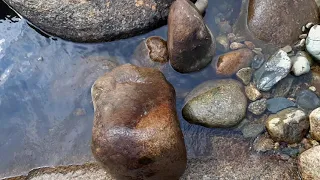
(258, 61)
(308, 100)
(258, 107)
(220, 103)
(252, 130)
(280, 22)
(277, 68)
(151, 52)
(289, 125)
(245, 75)
(275, 105)
(94, 21)
(135, 121)
(229, 63)
(191, 44)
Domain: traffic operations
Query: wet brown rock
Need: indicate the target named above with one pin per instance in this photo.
(229, 63)
(309, 164)
(136, 133)
(151, 52)
(280, 22)
(191, 45)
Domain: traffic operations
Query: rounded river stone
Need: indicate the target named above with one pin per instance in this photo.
(136, 132)
(220, 103)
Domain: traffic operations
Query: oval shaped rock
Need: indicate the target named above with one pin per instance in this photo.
(289, 125)
(136, 132)
(308, 100)
(94, 21)
(191, 45)
(277, 68)
(301, 65)
(277, 104)
(231, 62)
(280, 22)
(220, 103)
(309, 164)
(314, 118)
(313, 42)
(151, 52)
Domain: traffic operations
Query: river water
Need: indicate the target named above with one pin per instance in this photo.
(46, 111)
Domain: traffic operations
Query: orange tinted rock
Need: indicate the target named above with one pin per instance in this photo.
(229, 63)
(136, 132)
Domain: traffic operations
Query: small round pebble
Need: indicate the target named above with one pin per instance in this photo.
(287, 49)
(237, 45)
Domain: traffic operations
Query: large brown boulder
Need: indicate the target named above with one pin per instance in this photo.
(136, 132)
(191, 45)
(280, 22)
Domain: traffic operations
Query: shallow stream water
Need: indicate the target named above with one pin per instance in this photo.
(46, 111)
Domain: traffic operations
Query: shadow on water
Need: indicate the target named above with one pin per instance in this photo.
(46, 109)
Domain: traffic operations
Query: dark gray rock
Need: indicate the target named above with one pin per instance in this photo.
(220, 103)
(94, 21)
(308, 100)
(277, 68)
(275, 105)
(257, 61)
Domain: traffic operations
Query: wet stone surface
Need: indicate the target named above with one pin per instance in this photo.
(275, 105)
(93, 21)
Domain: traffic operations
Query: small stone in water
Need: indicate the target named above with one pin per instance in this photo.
(263, 144)
(252, 92)
(309, 25)
(283, 87)
(303, 36)
(275, 105)
(312, 88)
(249, 44)
(222, 43)
(236, 45)
(258, 60)
(308, 100)
(258, 107)
(252, 130)
(300, 66)
(245, 75)
(303, 29)
(287, 49)
(231, 37)
(277, 68)
(257, 50)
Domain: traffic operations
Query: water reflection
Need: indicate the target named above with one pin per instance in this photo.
(46, 110)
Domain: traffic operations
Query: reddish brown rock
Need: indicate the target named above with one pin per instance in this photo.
(151, 52)
(229, 63)
(280, 22)
(309, 164)
(136, 132)
(191, 45)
